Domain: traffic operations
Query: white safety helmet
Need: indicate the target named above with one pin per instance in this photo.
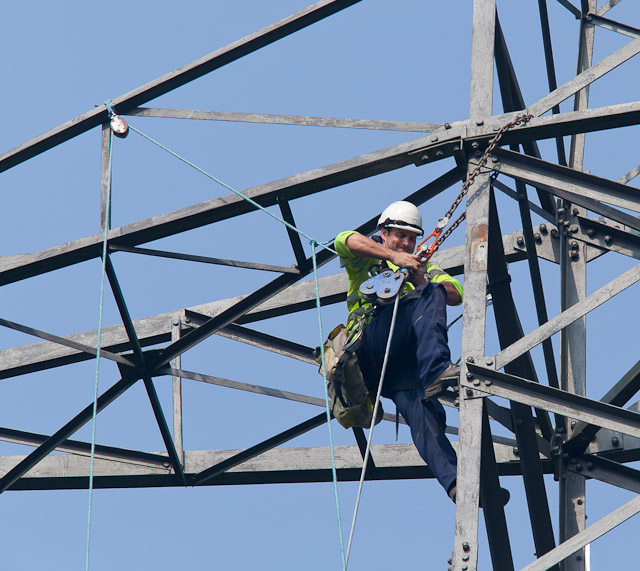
(403, 215)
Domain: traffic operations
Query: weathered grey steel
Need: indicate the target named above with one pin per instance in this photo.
(258, 389)
(614, 26)
(569, 123)
(176, 387)
(63, 433)
(613, 237)
(204, 259)
(105, 177)
(551, 70)
(286, 119)
(585, 78)
(590, 534)
(633, 173)
(296, 397)
(65, 342)
(156, 329)
(278, 465)
(269, 290)
(536, 282)
(143, 369)
(509, 330)
(513, 100)
(475, 280)
(84, 448)
(294, 237)
(554, 400)
(18, 267)
(208, 474)
(590, 204)
(607, 6)
(534, 455)
(573, 341)
(261, 340)
(513, 194)
(619, 395)
(536, 172)
(568, 316)
(174, 79)
(606, 471)
(569, 6)
(491, 498)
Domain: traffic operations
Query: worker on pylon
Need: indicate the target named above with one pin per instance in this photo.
(419, 363)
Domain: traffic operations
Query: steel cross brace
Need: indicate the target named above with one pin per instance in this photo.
(588, 535)
(568, 316)
(176, 462)
(606, 471)
(568, 404)
(64, 433)
(282, 282)
(84, 448)
(509, 330)
(210, 473)
(174, 79)
(623, 391)
(512, 100)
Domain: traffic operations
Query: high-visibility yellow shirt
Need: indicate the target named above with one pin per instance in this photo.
(357, 268)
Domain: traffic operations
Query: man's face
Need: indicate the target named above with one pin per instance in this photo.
(399, 240)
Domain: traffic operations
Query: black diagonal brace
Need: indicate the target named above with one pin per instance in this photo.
(294, 237)
(84, 448)
(64, 433)
(282, 282)
(258, 449)
(491, 498)
(175, 79)
(148, 382)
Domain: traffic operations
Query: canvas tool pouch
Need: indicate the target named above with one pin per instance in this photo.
(351, 403)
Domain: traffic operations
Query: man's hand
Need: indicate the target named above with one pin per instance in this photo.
(417, 278)
(404, 260)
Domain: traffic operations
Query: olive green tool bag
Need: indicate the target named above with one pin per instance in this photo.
(351, 403)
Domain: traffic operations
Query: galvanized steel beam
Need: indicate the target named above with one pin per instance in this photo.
(268, 118)
(554, 400)
(465, 549)
(173, 80)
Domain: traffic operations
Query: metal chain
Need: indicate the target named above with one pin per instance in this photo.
(471, 178)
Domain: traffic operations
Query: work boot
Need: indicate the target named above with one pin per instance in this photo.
(506, 496)
(448, 378)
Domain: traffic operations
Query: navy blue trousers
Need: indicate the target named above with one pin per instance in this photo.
(419, 353)
(427, 421)
(419, 347)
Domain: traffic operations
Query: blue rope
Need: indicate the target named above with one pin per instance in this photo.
(95, 391)
(326, 399)
(221, 183)
(313, 243)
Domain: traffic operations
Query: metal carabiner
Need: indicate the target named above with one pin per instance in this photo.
(427, 251)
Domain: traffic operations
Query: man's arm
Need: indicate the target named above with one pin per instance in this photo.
(367, 248)
(453, 295)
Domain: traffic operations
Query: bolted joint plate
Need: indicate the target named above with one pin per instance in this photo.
(547, 246)
(607, 235)
(436, 151)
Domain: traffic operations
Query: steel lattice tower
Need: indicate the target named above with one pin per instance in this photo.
(556, 428)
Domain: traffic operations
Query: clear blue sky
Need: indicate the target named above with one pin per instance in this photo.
(408, 61)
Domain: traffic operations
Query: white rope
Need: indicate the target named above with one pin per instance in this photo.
(375, 412)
